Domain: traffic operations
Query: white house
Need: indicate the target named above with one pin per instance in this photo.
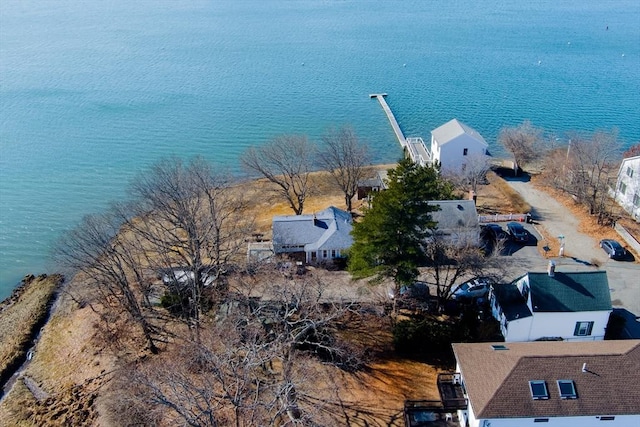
(552, 306)
(457, 221)
(564, 384)
(454, 143)
(322, 236)
(627, 191)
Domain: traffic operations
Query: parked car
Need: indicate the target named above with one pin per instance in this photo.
(473, 289)
(613, 249)
(492, 231)
(518, 232)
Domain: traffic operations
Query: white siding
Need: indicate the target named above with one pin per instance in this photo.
(563, 325)
(451, 155)
(628, 186)
(519, 330)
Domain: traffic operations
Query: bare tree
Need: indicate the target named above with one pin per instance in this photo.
(523, 142)
(451, 261)
(473, 173)
(633, 151)
(192, 223)
(255, 365)
(592, 162)
(110, 262)
(345, 157)
(286, 161)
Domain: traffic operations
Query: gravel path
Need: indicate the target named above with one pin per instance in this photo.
(582, 250)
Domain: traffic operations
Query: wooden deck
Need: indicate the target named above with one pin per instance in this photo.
(394, 123)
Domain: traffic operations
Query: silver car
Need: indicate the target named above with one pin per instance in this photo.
(473, 289)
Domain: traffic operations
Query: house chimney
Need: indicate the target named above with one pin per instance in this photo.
(551, 270)
(473, 196)
(584, 367)
(315, 219)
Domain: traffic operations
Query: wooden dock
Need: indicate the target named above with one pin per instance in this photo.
(394, 123)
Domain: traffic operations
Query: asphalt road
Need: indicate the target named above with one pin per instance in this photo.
(582, 252)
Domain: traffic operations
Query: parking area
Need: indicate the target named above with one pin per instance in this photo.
(582, 253)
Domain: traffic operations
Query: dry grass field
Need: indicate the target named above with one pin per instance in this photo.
(70, 370)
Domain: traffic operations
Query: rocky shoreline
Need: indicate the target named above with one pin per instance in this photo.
(22, 316)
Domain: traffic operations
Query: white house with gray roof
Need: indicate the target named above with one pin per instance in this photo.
(564, 384)
(454, 143)
(317, 237)
(571, 306)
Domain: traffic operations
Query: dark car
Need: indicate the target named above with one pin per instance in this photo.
(613, 249)
(492, 232)
(517, 232)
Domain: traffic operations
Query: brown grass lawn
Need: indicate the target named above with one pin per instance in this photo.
(497, 197)
(72, 358)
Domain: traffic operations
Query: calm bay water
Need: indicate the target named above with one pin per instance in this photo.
(91, 92)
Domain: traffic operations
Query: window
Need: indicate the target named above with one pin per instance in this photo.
(465, 151)
(541, 420)
(623, 188)
(636, 200)
(499, 347)
(538, 390)
(629, 172)
(567, 389)
(333, 253)
(583, 329)
(607, 418)
(324, 253)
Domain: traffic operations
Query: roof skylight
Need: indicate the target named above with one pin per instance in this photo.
(567, 389)
(538, 390)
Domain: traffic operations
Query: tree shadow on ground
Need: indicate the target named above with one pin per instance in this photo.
(508, 175)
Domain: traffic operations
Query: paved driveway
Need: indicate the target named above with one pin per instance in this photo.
(583, 250)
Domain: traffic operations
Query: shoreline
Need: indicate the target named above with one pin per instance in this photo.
(29, 306)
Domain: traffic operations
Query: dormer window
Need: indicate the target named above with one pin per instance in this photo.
(539, 390)
(567, 389)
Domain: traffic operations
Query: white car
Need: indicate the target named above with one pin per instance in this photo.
(473, 289)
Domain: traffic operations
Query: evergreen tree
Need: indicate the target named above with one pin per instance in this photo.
(389, 240)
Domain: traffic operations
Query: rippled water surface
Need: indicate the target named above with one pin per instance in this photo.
(92, 92)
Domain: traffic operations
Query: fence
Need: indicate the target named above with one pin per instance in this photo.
(627, 237)
(502, 218)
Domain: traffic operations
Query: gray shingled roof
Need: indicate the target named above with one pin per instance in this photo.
(497, 381)
(453, 129)
(455, 214)
(327, 229)
(568, 292)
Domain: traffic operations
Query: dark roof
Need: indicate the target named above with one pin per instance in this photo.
(569, 292)
(497, 381)
(511, 302)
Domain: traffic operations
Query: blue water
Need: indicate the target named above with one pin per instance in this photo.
(93, 91)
